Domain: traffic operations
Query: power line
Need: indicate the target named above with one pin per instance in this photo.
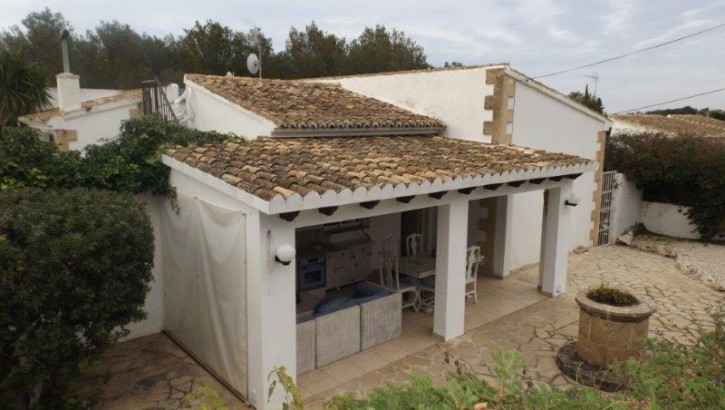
(606, 60)
(675, 100)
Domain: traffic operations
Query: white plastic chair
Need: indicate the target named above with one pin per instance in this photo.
(414, 244)
(390, 278)
(473, 259)
(391, 244)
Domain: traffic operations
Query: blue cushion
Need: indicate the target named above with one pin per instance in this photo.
(360, 301)
(366, 289)
(429, 282)
(407, 283)
(305, 317)
(332, 304)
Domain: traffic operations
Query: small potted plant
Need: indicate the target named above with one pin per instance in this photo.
(613, 325)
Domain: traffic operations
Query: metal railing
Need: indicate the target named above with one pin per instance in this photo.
(155, 101)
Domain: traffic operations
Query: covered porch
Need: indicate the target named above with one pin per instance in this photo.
(395, 175)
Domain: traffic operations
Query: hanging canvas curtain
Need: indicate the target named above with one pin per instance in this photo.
(203, 249)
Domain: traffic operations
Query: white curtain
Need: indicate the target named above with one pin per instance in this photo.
(205, 285)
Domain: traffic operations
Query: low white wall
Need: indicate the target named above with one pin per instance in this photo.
(96, 125)
(626, 207)
(669, 220)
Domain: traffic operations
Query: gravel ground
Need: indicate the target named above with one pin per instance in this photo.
(702, 261)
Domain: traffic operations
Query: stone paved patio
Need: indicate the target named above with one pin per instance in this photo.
(144, 373)
(150, 373)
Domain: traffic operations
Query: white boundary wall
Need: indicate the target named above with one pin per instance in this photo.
(626, 207)
(669, 220)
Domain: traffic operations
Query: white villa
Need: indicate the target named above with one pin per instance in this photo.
(274, 257)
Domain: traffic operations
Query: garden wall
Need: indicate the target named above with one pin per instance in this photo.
(628, 209)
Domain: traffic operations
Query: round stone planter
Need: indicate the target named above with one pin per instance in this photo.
(609, 334)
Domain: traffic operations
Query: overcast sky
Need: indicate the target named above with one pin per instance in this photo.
(535, 36)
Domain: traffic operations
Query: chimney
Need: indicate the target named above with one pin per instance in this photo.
(69, 86)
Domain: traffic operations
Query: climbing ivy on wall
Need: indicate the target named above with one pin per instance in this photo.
(130, 162)
(687, 171)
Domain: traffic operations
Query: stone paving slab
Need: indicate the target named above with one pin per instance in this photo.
(150, 373)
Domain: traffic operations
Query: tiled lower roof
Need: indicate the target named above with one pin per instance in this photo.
(308, 105)
(677, 124)
(45, 115)
(283, 167)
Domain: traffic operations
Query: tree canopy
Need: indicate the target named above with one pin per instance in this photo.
(22, 88)
(114, 55)
(590, 101)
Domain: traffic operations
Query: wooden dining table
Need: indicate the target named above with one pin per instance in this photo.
(418, 266)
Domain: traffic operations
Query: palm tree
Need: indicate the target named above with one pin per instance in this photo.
(588, 100)
(22, 88)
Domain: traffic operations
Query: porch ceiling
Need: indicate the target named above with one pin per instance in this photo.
(279, 175)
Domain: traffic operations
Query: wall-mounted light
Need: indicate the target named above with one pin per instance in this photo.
(285, 254)
(573, 199)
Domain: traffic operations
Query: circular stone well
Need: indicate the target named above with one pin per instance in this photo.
(609, 334)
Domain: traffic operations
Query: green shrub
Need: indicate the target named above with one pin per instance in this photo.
(75, 267)
(673, 376)
(611, 296)
(667, 377)
(26, 160)
(686, 171)
(130, 162)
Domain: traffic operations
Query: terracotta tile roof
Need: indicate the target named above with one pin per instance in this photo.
(270, 167)
(45, 115)
(309, 105)
(676, 124)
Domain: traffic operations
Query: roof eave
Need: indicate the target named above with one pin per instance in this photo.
(354, 132)
(313, 200)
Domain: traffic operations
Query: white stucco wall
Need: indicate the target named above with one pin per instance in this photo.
(453, 96)
(626, 207)
(154, 305)
(102, 122)
(209, 112)
(669, 220)
(541, 121)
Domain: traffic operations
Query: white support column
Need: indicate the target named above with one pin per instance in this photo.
(502, 241)
(555, 240)
(450, 288)
(271, 295)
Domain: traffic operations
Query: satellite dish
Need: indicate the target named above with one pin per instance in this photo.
(252, 63)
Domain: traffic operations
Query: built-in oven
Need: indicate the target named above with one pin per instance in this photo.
(311, 272)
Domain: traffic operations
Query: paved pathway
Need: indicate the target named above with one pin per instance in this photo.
(145, 373)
